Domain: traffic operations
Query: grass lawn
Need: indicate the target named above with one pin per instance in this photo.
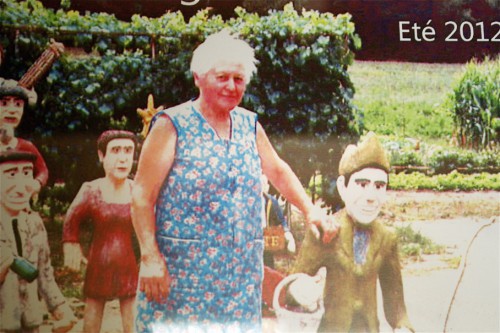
(405, 99)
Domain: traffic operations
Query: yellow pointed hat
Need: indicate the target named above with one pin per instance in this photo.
(368, 153)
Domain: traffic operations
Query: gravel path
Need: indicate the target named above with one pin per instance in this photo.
(430, 283)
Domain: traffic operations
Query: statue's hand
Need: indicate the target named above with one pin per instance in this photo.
(73, 256)
(290, 242)
(65, 319)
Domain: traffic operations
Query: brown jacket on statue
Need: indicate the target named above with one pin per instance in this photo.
(351, 290)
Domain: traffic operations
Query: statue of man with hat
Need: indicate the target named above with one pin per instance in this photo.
(26, 273)
(13, 99)
(14, 95)
(364, 250)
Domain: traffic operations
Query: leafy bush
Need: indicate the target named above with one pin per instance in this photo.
(263, 6)
(447, 160)
(55, 200)
(406, 158)
(308, 120)
(476, 103)
(466, 161)
(411, 155)
(413, 243)
(302, 115)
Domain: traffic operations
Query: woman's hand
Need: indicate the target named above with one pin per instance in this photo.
(154, 279)
(322, 225)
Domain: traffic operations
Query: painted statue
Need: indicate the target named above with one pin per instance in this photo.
(364, 250)
(15, 95)
(112, 269)
(26, 273)
(12, 103)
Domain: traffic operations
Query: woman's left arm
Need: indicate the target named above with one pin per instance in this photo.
(288, 184)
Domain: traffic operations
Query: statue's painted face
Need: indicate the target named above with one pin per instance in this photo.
(17, 185)
(119, 157)
(365, 194)
(11, 111)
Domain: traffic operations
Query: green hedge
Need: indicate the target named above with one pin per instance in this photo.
(302, 92)
(453, 181)
(412, 155)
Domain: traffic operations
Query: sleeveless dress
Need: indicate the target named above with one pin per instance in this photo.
(208, 222)
(112, 270)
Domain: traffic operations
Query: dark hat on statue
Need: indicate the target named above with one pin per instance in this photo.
(369, 153)
(11, 88)
(16, 156)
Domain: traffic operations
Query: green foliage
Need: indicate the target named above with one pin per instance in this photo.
(406, 158)
(454, 181)
(413, 243)
(302, 115)
(404, 99)
(308, 120)
(446, 160)
(433, 159)
(99, 88)
(262, 7)
(476, 103)
(55, 201)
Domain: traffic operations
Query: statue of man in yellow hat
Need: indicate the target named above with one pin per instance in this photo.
(363, 251)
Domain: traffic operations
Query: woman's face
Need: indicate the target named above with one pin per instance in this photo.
(117, 162)
(222, 87)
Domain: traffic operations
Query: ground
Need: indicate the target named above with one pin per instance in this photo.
(448, 218)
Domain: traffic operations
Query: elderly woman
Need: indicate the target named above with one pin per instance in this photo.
(196, 203)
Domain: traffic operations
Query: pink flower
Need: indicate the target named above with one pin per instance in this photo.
(214, 206)
(209, 296)
(158, 315)
(212, 252)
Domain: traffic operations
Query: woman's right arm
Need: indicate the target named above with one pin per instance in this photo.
(155, 162)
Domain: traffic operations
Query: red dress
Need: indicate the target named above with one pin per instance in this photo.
(112, 269)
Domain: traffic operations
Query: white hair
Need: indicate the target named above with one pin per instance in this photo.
(223, 46)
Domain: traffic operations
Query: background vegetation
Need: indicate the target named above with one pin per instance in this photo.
(405, 99)
(476, 104)
(117, 64)
(310, 96)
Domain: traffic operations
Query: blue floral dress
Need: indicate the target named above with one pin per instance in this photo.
(208, 221)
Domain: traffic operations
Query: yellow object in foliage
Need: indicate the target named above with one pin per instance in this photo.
(147, 114)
